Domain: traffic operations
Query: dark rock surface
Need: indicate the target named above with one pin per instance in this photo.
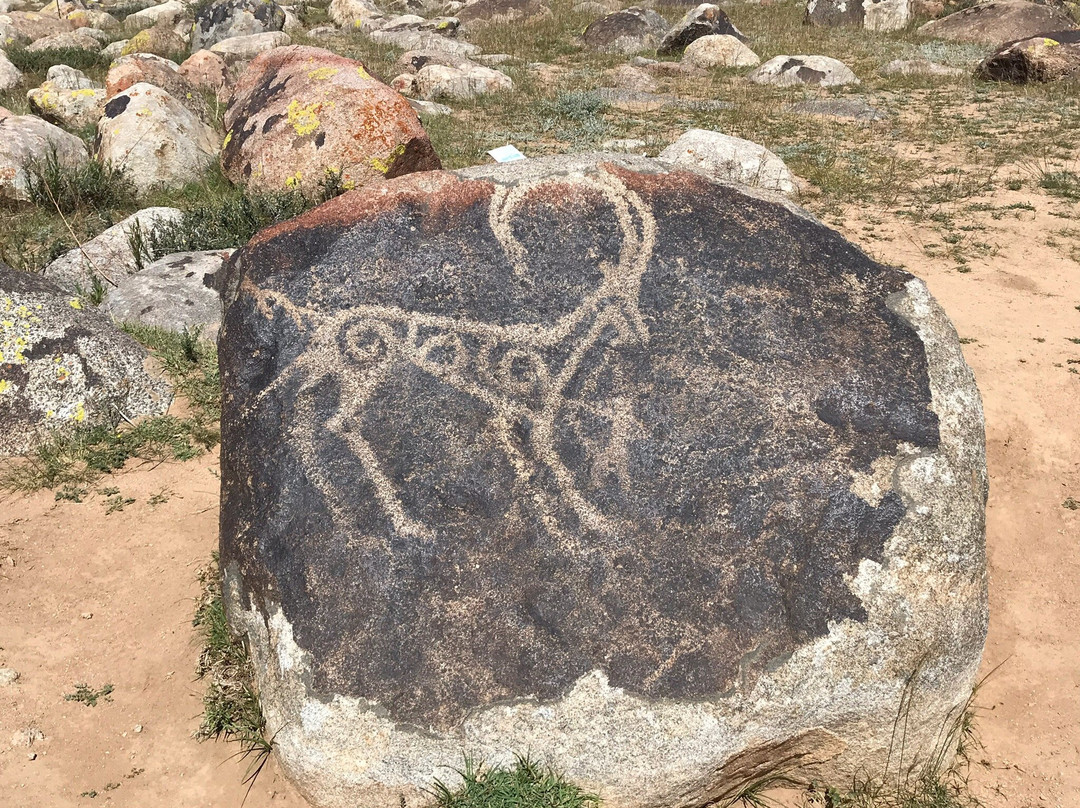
(519, 457)
(997, 21)
(63, 365)
(628, 31)
(1048, 57)
(705, 20)
(482, 12)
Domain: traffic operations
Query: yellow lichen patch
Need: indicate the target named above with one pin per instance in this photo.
(74, 303)
(84, 93)
(383, 166)
(303, 118)
(5, 385)
(80, 412)
(228, 138)
(1050, 43)
(363, 73)
(323, 73)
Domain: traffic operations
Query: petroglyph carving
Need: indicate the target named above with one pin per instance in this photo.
(520, 372)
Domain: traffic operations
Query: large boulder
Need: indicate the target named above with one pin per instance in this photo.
(705, 20)
(352, 13)
(154, 139)
(63, 365)
(74, 109)
(26, 140)
(719, 50)
(161, 40)
(733, 159)
(167, 13)
(176, 293)
(875, 15)
(299, 113)
(787, 71)
(62, 77)
(139, 68)
(245, 48)
(109, 255)
(656, 479)
(997, 21)
(222, 19)
(628, 31)
(1048, 57)
(441, 81)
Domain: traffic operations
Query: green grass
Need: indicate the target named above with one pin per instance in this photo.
(526, 784)
(40, 61)
(231, 709)
(92, 186)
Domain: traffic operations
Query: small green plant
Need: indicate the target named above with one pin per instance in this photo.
(1061, 183)
(116, 503)
(524, 785)
(160, 497)
(1071, 503)
(231, 708)
(90, 186)
(84, 694)
(70, 493)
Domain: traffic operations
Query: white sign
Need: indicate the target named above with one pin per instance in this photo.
(506, 154)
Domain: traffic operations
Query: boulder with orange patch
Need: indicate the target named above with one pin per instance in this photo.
(300, 114)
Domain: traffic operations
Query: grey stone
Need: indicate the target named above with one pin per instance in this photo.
(352, 13)
(245, 48)
(785, 71)
(654, 477)
(997, 21)
(874, 15)
(10, 76)
(628, 31)
(733, 159)
(63, 77)
(429, 108)
(63, 365)
(704, 20)
(223, 19)
(719, 50)
(855, 109)
(166, 13)
(8, 676)
(483, 12)
(630, 78)
(433, 82)
(175, 292)
(416, 39)
(26, 139)
(71, 108)
(108, 255)
(80, 39)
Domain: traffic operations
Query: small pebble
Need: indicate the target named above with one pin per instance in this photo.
(87, 615)
(32, 756)
(138, 727)
(8, 676)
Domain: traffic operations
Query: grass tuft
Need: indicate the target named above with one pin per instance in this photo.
(40, 61)
(91, 186)
(525, 785)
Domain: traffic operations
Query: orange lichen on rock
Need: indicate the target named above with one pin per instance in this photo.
(299, 113)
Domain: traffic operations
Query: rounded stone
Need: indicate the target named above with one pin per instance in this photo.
(587, 456)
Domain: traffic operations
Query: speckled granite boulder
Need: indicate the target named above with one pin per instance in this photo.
(654, 478)
(175, 292)
(223, 19)
(729, 158)
(874, 15)
(63, 364)
(785, 71)
(299, 113)
(704, 20)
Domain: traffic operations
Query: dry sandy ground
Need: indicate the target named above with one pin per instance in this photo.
(134, 570)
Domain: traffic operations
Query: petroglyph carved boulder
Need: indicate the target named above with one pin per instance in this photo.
(655, 478)
(298, 114)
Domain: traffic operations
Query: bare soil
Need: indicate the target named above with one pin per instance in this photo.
(134, 570)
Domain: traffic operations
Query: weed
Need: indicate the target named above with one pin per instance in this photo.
(160, 497)
(231, 708)
(40, 61)
(1061, 183)
(116, 503)
(70, 493)
(84, 694)
(1071, 503)
(92, 185)
(524, 785)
